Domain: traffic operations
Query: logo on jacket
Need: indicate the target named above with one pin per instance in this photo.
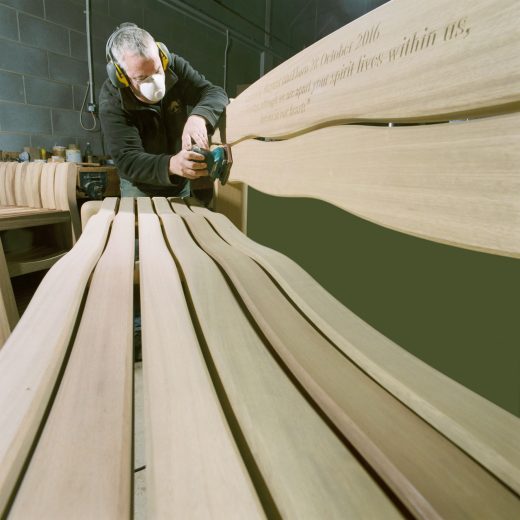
(174, 106)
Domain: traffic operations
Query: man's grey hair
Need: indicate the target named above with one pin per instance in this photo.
(133, 40)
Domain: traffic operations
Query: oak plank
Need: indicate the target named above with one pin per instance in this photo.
(306, 468)
(231, 199)
(194, 469)
(37, 259)
(88, 209)
(32, 190)
(452, 183)
(86, 444)
(485, 431)
(3, 175)
(65, 196)
(5, 328)
(20, 195)
(32, 356)
(397, 63)
(10, 174)
(430, 475)
(9, 311)
(16, 218)
(47, 185)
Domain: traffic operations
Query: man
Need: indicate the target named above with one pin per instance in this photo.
(144, 107)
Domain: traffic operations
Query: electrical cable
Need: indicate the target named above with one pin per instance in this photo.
(93, 128)
(90, 82)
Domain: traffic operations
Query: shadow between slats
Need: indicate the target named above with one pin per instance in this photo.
(413, 480)
(292, 420)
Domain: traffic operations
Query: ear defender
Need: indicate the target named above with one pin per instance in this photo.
(115, 73)
(164, 54)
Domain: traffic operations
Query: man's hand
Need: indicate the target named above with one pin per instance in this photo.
(186, 164)
(195, 128)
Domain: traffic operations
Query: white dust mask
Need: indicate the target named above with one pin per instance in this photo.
(153, 87)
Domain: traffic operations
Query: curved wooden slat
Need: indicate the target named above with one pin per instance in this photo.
(89, 209)
(65, 195)
(9, 311)
(16, 218)
(36, 259)
(194, 469)
(428, 473)
(32, 356)
(306, 468)
(47, 193)
(483, 430)
(3, 174)
(453, 183)
(32, 189)
(397, 63)
(10, 175)
(19, 184)
(89, 428)
(5, 328)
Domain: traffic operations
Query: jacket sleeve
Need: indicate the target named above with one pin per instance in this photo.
(124, 144)
(207, 100)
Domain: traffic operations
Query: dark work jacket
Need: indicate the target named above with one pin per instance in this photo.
(141, 138)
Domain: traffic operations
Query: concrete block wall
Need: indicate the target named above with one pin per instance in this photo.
(43, 57)
(40, 77)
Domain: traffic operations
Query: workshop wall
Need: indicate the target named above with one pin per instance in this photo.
(43, 57)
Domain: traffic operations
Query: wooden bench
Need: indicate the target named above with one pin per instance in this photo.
(34, 195)
(264, 396)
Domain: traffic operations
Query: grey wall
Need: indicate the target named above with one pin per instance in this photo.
(43, 57)
(304, 22)
(43, 74)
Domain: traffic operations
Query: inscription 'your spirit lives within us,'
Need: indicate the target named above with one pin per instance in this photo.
(352, 58)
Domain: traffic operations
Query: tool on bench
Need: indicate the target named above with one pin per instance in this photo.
(219, 161)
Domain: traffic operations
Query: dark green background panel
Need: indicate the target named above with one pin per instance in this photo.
(455, 309)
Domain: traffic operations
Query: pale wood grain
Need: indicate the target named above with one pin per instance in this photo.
(5, 328)
(32, 356)
(431, 476)
(10, 174)
(19, 184)
(88, 209)
(32, 190)
(474, 73)
(65, 196)
(306, 468)
(86, 445)
(488, 433)
(37, 259)
(58, 189)
(194, 469)
(9, 312)
(16, 217)
(231, 199)
(3, 174)
(47, 185)
(455, 183)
